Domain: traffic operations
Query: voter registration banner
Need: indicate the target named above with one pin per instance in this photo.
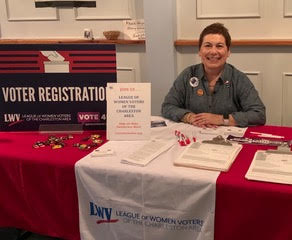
(54, 84)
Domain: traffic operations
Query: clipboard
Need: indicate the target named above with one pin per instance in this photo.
(282, 149)
(218, 140)
(217, 154)
(271, 166)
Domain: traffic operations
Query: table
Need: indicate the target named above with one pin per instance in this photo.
(252, 209)
(243, 209)
(38, 185)
(39, 191)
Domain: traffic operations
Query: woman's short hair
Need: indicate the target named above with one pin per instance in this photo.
(216, 28)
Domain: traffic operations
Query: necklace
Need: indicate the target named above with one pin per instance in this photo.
(211, 87)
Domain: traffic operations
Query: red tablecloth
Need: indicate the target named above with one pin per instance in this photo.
(252, 210)
(39, 191)
(38, 187)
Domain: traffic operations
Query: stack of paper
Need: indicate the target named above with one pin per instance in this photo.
(271, 167)
(208, 156)
(149, 151)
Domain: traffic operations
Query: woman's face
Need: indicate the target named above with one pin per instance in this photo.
(214, 52)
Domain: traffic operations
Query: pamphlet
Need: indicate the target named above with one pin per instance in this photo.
(208, 156)
(271, 167)
(149, 151)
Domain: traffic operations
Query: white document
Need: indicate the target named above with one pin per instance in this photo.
(101, 152)
(149, 151)
(134, 29)
(208, 156)
(271, 167)
(128, 111)
(224, 130)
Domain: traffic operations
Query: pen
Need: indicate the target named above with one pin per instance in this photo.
(259, 134)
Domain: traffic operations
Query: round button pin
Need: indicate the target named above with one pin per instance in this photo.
(200, 92)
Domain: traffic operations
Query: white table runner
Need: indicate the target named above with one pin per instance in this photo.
(158, 201)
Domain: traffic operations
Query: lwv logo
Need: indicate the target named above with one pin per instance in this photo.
(104, 214)
(11, 117)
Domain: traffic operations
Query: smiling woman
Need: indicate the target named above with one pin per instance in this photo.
(214, 53)
(220, 94)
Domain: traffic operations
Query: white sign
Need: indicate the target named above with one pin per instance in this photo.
(134, 29)
(128, 111)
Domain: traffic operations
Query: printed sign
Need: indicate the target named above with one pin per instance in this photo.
(57, 84)
(134, 29)
(128, 111)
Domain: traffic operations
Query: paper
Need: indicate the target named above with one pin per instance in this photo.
(147, 152)
(223, 130)
(128, 111)
(271, 167)
(208, 156)
(134, 29)
(100, 152)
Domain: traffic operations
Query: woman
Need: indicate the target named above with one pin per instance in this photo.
(214, 92)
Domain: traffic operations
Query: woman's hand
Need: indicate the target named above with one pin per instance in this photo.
(207, 119)
(204, 120)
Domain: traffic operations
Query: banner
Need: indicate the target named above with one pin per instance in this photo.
(54, 84)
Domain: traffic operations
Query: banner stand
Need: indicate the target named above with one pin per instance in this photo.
(50, 128)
